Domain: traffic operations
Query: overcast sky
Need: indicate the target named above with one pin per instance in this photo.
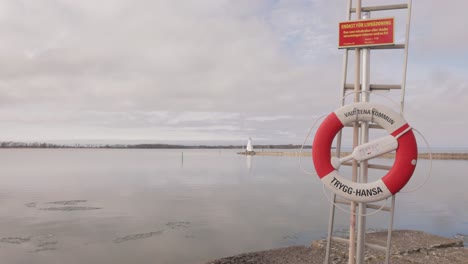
(212, 71)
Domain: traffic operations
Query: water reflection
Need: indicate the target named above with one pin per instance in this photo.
(157, 206)
(249, 162)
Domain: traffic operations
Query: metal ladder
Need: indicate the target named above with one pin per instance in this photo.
(361, 94)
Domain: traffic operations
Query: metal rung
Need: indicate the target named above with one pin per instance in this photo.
(340, 239)
(380, 8)
(379, 167)
(374, 126)
(396, 46)
(372, 246)
(376, 247)
(384, 86)
(382, 47)
(371, 206)
(350, 86)
(370, 166)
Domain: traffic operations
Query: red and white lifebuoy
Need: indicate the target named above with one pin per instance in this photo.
(401, 139)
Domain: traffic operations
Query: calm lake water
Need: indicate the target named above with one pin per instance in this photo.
(147, 206)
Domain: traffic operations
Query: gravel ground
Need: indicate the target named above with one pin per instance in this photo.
(408, 247)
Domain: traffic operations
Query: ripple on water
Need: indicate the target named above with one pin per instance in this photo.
(68, 205)
(138, 236)
(178, 224)
(67, 202)
(169, 226)
(15, 240)
(71, 208)
(42, 243)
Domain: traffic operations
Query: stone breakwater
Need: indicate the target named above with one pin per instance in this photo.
(408, 247)
(439, 156)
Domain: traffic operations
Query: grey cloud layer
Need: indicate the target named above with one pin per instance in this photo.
(170, 70)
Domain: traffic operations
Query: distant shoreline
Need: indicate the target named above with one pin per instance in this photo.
(424, 155)
(12, 144)
(261, 150)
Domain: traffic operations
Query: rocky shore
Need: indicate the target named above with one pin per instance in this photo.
(408, 247)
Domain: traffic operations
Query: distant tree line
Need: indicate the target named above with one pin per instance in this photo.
(12, 144)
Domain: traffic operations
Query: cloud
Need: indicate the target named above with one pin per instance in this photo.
(268, 118)
(151, 56)
(210, 69)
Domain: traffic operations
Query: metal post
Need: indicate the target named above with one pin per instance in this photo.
(344, 67)
(390, 228)
(357, 88)
(405, 63)
(363, 172)
(330, 228)
(331, 218)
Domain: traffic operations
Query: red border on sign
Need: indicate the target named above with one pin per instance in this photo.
(366, 33)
